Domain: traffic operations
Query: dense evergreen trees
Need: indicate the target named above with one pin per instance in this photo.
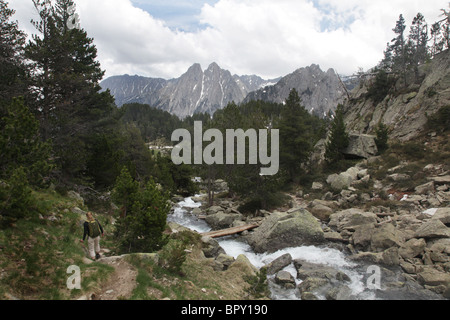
(144, 214)
(406, 52)
(65, 84)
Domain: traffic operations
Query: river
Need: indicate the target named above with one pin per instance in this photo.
(361, 284)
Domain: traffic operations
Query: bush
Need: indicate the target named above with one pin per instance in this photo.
(16, 200)
(440, 120)
(382, 137)
(258, 284)
(173, 256)
(380, 87)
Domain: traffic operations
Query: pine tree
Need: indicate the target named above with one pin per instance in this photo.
(13, 70)
(338, 138)
(395, 55)
(418, 43)
(141, 228)
(296, 136)
(125, 190)
(66, 76)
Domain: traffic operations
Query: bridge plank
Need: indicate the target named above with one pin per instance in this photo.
(229, 231)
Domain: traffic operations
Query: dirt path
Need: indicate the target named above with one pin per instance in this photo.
(121, 283)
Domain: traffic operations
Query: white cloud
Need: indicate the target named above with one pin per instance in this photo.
(264, 37)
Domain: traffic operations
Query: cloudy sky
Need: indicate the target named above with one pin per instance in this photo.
(270, 38)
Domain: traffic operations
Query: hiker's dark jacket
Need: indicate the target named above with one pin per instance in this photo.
(86, 229)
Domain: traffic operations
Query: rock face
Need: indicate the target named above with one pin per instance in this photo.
(404, 114)
(320, 91)
(294, 228)
(194, 91)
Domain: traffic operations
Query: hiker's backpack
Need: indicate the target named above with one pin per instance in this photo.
(94, 229)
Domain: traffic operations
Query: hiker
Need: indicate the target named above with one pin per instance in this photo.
(93, 229)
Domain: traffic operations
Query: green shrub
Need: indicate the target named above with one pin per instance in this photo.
(16, 200)
(382, 137)
(172, 256)
(440, 120)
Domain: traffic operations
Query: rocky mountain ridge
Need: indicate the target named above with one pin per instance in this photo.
(210, 90)
(320, 91)
(194, 91)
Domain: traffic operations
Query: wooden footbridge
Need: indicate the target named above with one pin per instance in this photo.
(230, 231)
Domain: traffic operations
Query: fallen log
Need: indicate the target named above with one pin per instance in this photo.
(230, 231)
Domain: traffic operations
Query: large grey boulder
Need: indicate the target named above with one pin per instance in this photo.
(433, 228)
(285, 279)
(412, 248)
(350, 219)
(294, 228)
(279, 263)
(211, 247)
(442, 214)
(384, 237)
(361, 146)
(222, 220)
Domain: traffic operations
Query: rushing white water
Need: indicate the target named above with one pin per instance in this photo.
(234, 246)
(181, 216)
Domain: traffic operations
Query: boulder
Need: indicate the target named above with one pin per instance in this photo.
(279, 263)
(389, 257)
(442, 214)
(306, 270)
(440, 180)
(211, 247)
(412, 248)
(222, 220)
(334, 237)
(243, 265)
(440, 246)
(361, 146)
(425, 188)
(350, 219)
(321, 212)
(433, 228)
(312, 284)
(342, 292)
(294, 228)
(397, 177)
(362, 236)
(285, 279)
(317, 186)
(214, 209)
(384, 237)
(225, 260)
(340, 181)
(433, 277)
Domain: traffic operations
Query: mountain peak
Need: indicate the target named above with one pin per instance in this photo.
(196, 67)
(213, 65)
(212, 89)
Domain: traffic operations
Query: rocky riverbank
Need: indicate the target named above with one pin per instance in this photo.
(406, 234)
